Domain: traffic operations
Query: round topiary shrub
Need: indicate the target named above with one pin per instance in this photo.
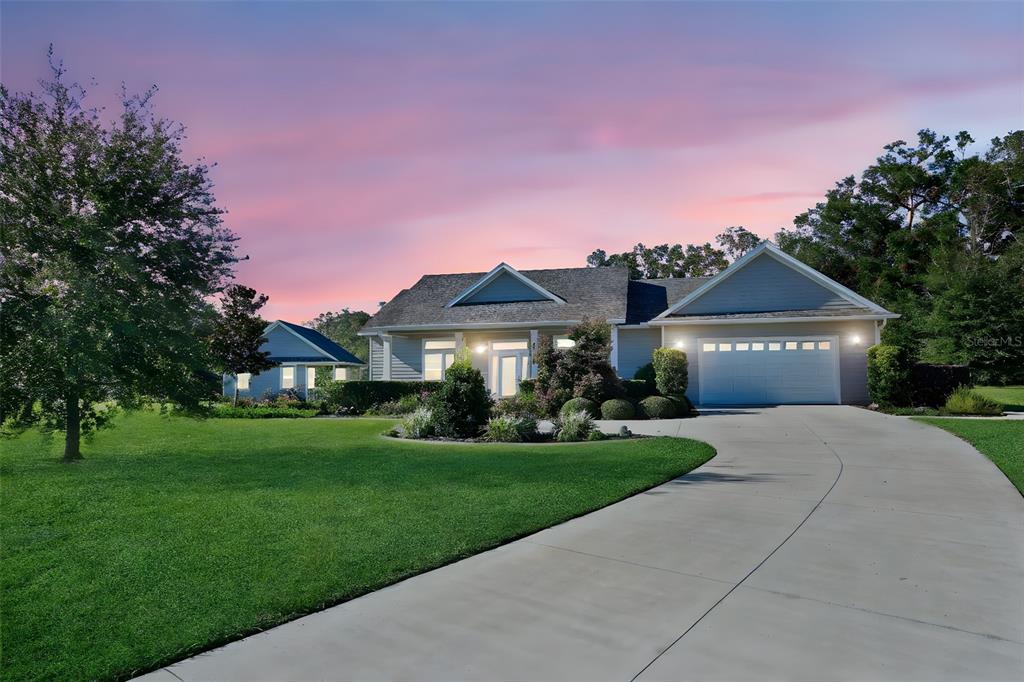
(580, 404)
(657, 407)
(684, 408)
(617, 408)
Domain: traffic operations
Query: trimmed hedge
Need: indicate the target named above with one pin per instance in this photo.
(670, 371)
(684, 408)
(888, 375)
(657, 407)
(356, 397)
(222, 411)
(617, 408)
(638, 389)
(580, 405)
(931, 385)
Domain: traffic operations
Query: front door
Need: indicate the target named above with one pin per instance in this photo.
(512, 367)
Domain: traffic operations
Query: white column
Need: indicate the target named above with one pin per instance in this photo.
(387, 357)
(460, 343)
(534, 340)
(615, 348)
(662, 336)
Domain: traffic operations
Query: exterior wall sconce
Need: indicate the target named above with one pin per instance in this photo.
(480, 349)
(855, 339)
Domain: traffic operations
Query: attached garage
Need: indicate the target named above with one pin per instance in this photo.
(769, 371)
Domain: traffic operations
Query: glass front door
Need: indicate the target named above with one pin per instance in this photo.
(511, 368)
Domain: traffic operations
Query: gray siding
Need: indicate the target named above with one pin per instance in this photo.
(268, 381)
(636, 348)
(764, 285)
(376, 359)
(283, 344)
(504, 288)
(406, 358)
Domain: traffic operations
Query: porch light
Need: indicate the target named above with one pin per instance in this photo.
(680, 344)
(855, 339)
(480, 348)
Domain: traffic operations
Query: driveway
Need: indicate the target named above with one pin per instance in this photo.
(822, 543)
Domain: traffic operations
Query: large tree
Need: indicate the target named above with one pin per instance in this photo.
(238, 334)
(343, 327)
(110, 244)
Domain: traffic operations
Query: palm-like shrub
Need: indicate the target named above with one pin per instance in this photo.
(461, 405)
(617, 408)
(572, 426)
(577, 404)
(965, 401)
(419, 424)
(657, 407)
(511, 429)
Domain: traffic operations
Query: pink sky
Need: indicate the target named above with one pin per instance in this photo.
(360, 146)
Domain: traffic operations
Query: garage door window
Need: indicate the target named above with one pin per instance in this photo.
(709, 348)
(742, 346)
(807, 345)
(757, 346)
(774, 346)
(824, 345)
(790, 345)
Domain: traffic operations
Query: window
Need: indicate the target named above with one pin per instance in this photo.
(311, 377)
(757, 346)
(708, 347)
(773, 345)
(725, 347)
(243, 381)
(807, 345)
(742, 346)
(824, 345)
(340, 373)
(287, 377)
(438, 355)
(510, 345)
(790, 345)
(563, 341)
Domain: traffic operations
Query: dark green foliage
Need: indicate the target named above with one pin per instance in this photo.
(580, 404)
(511, 429)
(638, 390)
(931, 385)
(657, 407)
(670, 371)
(965, 401)
(528, 386)
(111, 246)
(692, 260)
(519, 405)
(888, 375)
(573, 426)
(407, 404)
(646, 373)
(225, 411)
(582, 371)
(356, 397)
(461, 405)
(343, 328)
(596, 435)
(684, 408)
(238, 333)
(617, 408)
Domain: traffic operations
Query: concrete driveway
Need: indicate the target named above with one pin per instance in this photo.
(822, 543)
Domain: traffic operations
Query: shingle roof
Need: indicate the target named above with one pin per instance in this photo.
(837, 311)
(648, 298)
(320, 341)
(588, 293)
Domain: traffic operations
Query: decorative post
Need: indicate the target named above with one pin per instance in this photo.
(534, 340)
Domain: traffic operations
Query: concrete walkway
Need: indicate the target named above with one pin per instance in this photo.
(822, 543)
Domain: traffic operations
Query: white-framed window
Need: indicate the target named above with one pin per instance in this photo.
(311, 377)
(774, 345)
(824, 345)
(725, 347)
(562, 341)
(757, 345)
(807, 345)
(243, 381)
(742, 346)
(438, 356)
(287, 377)
(511, 345)
(340, 373)
(791, 345)
(708, 348)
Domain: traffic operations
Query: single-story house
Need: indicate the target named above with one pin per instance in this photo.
(298, 351)
(767, 330)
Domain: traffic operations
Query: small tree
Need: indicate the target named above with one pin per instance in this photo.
(583, 371)
(461, 405)
(238, 334)
(670, 371)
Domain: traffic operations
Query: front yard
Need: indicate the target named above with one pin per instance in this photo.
(1001, 441)
(175, 535)
(1011, 397)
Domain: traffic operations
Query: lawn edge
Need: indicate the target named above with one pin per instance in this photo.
(927, 420)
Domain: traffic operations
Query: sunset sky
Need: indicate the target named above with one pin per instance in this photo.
(360, 146)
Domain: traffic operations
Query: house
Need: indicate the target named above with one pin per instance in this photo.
(767, 330)
(298, 351)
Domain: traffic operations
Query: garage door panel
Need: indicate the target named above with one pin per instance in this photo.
(747, 371)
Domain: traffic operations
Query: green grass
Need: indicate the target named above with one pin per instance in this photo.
(1001, 441)
(1012, 397)
(176, 535)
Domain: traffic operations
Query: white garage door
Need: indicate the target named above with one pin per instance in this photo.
(768, 371)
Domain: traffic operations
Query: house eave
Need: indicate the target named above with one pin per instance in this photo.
(682, 321)
(391, 329)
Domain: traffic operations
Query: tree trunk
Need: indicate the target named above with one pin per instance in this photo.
(72, 428)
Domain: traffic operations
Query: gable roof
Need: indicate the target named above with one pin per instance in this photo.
(328, 350)
(504, 270)
(578, 293)
(858, 305)
(650, 297)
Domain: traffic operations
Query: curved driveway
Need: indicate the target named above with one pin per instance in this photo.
(822, 543)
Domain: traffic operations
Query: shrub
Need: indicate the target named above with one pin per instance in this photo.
(223, 411)
(931, 384)
(646, 375)
(596, 435)
(617, 408)
(670, 371)
(511, 429)
(657, 407)
(577, 404)
(624, 432)
(419, 424)
(582, 371)
(358, 396)
(521, 405)
(572, 426)
(637, 390)
(404, 405)
(528, 387)
(965, 401)
(684, 408)
(888, 375)
(461, 405)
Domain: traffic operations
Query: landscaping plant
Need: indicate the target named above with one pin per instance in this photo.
(510, 429)
(617, 408)
(419, 424)
(888, 375)
(573, 426)
(580, 404)
(965, 401)
(670, 371)
(582, 371)
(657, 407)
(461, 405)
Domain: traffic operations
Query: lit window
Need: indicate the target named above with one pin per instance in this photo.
(725, 347)
(757, 346)
(563, 341)
(311, 377)
(438, 344)
(824, 345)
(437, 360)
(243, 381)
(708, 348)
(742, 346)
(510, 345)
(287, 377)
(774, 345)
(340, 373)
(807, 345)
(791, 345)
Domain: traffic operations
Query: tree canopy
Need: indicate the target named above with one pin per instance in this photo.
(343, 327)
(110, 245)
(237, 337)
(692, 260)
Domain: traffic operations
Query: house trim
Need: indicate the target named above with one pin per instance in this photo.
(375, 331)
(499, 269)
(682, 321)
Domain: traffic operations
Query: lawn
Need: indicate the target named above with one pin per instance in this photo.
(176, 535)
(1001, 441)
(1012, 397)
